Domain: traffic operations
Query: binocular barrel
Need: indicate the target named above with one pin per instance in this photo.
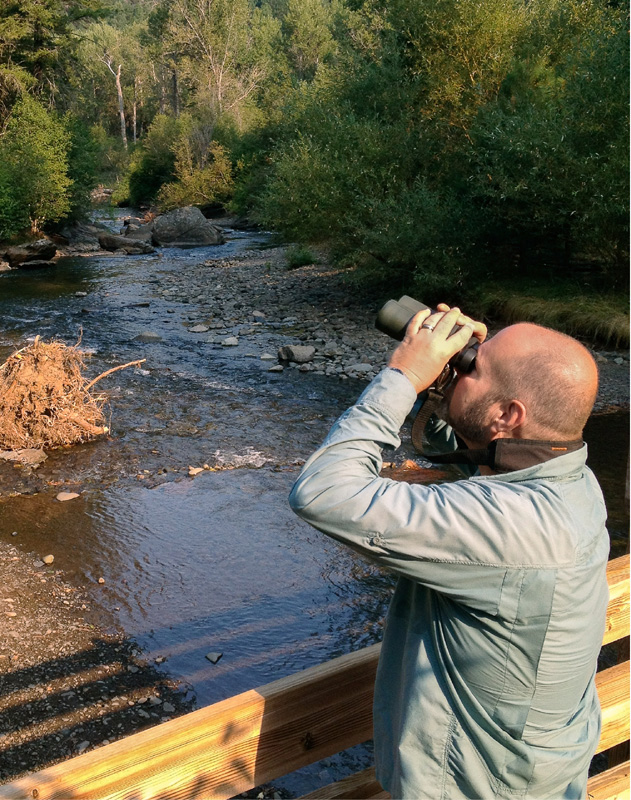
(393, 319)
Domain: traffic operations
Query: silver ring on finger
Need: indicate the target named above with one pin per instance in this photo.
(429, 327)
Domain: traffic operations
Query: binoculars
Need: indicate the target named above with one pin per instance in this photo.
(395, 315)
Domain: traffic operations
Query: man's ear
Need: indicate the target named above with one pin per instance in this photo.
(510, 418)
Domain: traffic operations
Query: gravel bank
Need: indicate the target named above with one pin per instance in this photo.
(65, 684)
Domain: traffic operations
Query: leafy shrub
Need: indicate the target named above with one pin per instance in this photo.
(454, 136)
(13, 212)
(549, 165)
(34, 176)
(206, 185)
(113, 161)
(299, 256)
(154, 163)
(83, 170)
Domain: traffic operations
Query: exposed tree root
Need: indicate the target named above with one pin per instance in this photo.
(45, 400)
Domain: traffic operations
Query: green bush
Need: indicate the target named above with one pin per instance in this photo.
(36, 187)
(549, 162)
(112, 160)
(455, 138)
(13, 212)
(300, 256)
(153, 164)
(83, 169)
(199, 186)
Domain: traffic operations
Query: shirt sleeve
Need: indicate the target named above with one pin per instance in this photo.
(449, 536)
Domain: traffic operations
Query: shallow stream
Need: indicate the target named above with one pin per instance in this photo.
(216, 563)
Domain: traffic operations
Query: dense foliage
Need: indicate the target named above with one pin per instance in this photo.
(440, 143)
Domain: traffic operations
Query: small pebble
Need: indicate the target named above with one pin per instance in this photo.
(63, 496)
(213, 657)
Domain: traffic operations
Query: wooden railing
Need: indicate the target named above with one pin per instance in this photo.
(255, 737)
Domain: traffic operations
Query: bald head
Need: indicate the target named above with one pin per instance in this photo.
(552, 374)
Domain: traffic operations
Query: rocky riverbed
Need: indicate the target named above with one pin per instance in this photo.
(65, 684)
(328, 314)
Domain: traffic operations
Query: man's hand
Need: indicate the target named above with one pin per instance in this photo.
(479, 328)
(428, 345)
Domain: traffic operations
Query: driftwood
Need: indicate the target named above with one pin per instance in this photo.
(45, 399)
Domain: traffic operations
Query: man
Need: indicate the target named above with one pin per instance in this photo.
(485, 686)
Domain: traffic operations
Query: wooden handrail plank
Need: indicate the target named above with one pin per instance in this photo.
(226, 748)
(613, 784)
(617, 625)
(360, 786)
(613, 692)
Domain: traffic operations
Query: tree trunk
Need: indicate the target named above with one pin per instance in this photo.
(176, 95)
(121, 106)
(163, 94)
(134, 111)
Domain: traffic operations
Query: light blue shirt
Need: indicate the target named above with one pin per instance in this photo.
(485, 687)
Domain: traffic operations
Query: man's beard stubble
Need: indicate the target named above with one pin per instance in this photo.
(472, 424)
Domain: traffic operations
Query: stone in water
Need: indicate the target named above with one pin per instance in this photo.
(62, 496)
(213, 657)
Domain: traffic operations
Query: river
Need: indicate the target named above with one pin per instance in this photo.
(216, 563)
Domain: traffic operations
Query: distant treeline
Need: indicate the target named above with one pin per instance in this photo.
(435, 142)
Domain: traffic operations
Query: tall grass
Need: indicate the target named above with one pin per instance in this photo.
(599, 318)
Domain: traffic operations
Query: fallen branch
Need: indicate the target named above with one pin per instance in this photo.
(114, 369)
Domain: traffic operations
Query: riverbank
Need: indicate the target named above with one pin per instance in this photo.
(66, 684)
(69, 682)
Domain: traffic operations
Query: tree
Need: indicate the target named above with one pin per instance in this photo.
(226, 50)
(38, 41)
(308, 25)
(113, 48)
(34, 155)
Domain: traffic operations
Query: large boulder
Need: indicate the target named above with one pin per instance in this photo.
(138, 233)
(37, 253)
(185, 227)
(110, 241)
(82, 237)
